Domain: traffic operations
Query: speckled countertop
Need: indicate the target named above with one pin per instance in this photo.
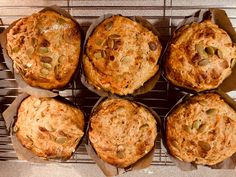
(25, 169)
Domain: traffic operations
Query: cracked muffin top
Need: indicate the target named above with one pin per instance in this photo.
(45, 49)
(121, 55)
(122, 132)
(200, 56)
(202, 130)
(49, 128)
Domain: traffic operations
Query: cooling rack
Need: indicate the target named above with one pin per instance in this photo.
(163, 14)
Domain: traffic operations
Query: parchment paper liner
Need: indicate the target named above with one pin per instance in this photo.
(36, 91)
(10, 115)
(220, 18)
(111, 170)
(228, 163)
(148, 85)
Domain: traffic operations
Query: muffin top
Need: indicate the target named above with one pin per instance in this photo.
(121, 55)
(202, 130)
(200, 56)
(122, 131)
(49, 128)
(45, 49)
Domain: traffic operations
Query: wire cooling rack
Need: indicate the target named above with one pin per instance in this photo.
(163, 14)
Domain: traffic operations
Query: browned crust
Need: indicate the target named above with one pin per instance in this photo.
(126, 61)
(49, 128)
(45, 34)
(209, 142)
(182, 66)
(122, 132)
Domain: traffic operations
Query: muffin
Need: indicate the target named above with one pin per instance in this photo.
(45, 49)
(120, 56)
(200, 56)
(122, 132)
(202, 130)
(49, 128)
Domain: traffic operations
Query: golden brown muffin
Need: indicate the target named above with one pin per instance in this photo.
(45, 49)
(48, 127)
(122, 132)
(121, 55)
(200, 56)
(202, 130)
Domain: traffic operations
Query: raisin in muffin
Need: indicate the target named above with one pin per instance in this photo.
(45, 49)
(202, 130)
(121, 55)
(49, 128)
(200, 56)
(122, 131)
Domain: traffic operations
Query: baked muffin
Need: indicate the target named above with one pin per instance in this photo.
(202, 130)
(45, 49)
(49, 128)
(200, 56)
(121, 55)
(122, 132)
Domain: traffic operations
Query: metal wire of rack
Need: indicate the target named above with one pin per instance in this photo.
(163, 14)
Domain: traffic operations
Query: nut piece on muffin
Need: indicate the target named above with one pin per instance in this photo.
(121, 55)
(45, 49)
(122, 132)
(200, 56)
(49, 128)
(202, 130)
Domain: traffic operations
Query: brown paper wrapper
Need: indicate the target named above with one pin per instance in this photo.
(148, 85)
(10, 115)
(228, 163)
(111, 170)
(36, 91)
(220, 18)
